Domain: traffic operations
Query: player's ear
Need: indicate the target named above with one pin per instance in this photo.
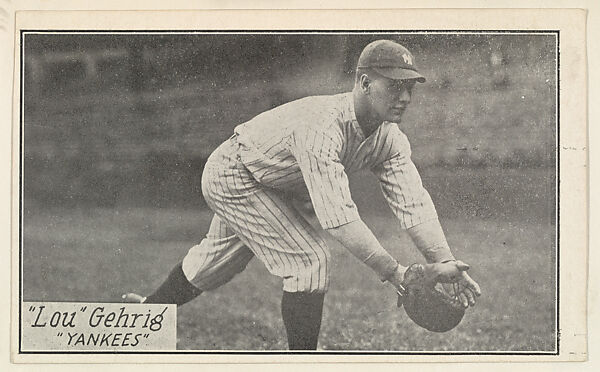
(365, 83)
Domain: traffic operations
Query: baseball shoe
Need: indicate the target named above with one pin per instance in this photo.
(133, 298)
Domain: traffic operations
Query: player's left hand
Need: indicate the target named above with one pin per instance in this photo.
(444, 272)
(464, 289)
(455, 280)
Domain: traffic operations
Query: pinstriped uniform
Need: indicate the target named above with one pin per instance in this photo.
(305, 148)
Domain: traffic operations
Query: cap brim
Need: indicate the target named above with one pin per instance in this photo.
(398, 73)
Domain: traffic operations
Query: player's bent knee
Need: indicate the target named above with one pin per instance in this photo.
(213, 274)
(321, 270)
(216, 280)
(312, 278)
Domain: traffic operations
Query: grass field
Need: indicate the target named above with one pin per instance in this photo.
(496, 220)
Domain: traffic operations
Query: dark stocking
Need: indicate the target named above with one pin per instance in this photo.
(301, 314)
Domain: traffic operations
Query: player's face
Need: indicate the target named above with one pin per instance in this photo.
(389, 98)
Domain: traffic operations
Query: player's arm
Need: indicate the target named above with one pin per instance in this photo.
(317, 154)
(360, 241)
(411, 203)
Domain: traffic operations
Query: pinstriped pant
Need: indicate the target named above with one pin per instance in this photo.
(251, 220)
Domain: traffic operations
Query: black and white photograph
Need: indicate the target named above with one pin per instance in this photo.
(293, 192)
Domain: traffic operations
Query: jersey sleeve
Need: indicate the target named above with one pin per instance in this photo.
(402, 187)
(317, 154)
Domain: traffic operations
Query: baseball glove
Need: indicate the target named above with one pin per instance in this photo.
(427, 303)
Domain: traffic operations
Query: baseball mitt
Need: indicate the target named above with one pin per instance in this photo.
(427, 303)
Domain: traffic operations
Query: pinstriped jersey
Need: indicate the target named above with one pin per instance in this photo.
(308, 147)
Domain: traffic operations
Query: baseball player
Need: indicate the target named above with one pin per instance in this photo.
(306, 149)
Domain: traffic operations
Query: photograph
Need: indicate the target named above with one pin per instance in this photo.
(309, 192)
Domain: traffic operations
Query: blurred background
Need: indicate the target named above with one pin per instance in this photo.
(131, 118)
(117, 128)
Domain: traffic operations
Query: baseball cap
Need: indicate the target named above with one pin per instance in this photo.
(391, 60)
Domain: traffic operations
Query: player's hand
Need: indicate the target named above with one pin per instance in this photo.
(445, 272)
(397, 277)
(467, 290)
(453, 275)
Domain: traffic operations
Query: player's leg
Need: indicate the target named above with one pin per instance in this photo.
(302, 313)
(285, 242)
(217, 259)
(305, 285)
(176, 289)
(208, 265)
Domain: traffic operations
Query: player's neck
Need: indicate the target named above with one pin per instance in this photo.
(367, 121)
